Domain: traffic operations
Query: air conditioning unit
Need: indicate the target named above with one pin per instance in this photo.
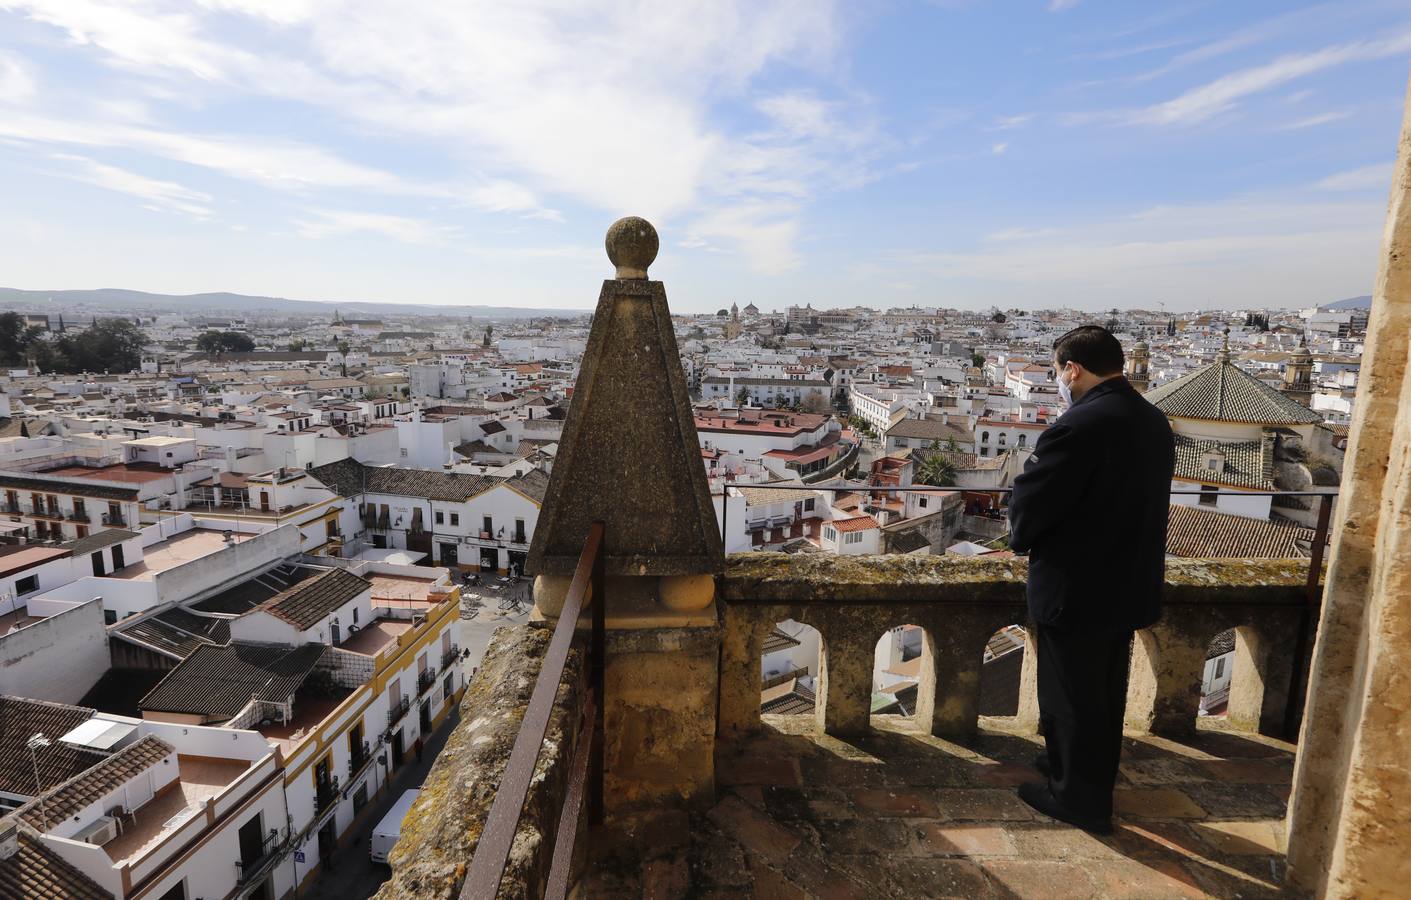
(99, 832)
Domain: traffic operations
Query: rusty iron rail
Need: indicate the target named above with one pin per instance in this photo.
(487, 867)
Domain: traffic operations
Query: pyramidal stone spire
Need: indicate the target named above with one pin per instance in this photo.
(629, 455)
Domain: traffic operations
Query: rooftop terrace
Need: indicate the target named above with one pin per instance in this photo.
(175, 551)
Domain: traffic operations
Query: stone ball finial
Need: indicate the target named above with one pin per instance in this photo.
(632, 245)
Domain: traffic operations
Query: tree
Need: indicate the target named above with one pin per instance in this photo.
(999, 318)
(936, 470)
(110, 345)
(742, 397)
(217, 342)
(814, 403)
(297, 345)
(343, 348)
(977, 360)
(489, 332)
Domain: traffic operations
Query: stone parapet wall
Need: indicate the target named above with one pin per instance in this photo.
(961, 602)
(440, 833)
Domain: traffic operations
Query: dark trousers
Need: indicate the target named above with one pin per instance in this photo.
(1082, 701)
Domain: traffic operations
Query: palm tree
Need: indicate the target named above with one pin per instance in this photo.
(936, 470)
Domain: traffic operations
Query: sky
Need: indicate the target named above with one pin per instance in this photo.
(956, 153)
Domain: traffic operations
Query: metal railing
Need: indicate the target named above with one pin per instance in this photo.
(482, 881)
(398, 710)
(358, 758)
(325, 795)
(425, 680)
(1311, 610)
(449, 657)
(270, 847)
(114, 519)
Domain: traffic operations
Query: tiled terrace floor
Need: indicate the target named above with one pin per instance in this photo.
(899, 814)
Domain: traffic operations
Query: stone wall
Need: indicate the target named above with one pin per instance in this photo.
(440, 833)
(961, 602)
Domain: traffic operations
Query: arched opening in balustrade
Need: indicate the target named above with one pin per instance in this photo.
(898, 670)
(789, 666)
(1218, 675)
(1001, 670)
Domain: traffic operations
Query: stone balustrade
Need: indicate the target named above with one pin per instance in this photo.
(961, 602)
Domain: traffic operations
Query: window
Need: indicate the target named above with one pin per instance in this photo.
(355, 615)
(404, 451)
(808, 504)
(921, 502)
(1209, 496)
(984, 437)
(110, 617)
(1002, 439)
(489, 526)
(455, 519)
(440, 517)
(27, 585)
(519, 531)
(1023, 439)
(360, 798)
(854, 537)
(1220, 667)
(448, 687)
(830, 533)
(1212, 463)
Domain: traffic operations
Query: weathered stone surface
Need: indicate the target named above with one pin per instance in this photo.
(901, 836)
(1350, 822)
(629, 456)
(442, 829)
(960, 603)
(659, 718)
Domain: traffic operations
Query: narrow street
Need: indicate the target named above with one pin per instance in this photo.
(352, 875)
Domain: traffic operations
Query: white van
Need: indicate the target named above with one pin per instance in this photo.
(384, 836)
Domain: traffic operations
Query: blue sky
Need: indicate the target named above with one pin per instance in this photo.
(958, 152)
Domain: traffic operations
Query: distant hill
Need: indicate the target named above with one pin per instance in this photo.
(120, 300)
(1363, 302)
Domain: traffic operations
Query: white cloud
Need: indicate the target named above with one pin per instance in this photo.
(1314, 121)
(17, 82)
(999, 149)
(1285, 251)
(334, 223)
(764, 234)
(541, 98)
(1061, 5)
(1367, 178)
(161, 195)
(1223, 94)
(1007, 123)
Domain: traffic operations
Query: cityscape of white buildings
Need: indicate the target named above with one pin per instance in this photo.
(230, 584)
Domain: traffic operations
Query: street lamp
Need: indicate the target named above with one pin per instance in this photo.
(36, 741)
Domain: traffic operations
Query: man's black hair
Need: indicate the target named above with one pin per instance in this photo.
(1092, 347)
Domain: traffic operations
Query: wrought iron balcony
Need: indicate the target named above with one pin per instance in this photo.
(425, 680)
(449, 657)
(398, 710)
(358, 760)
(115, 520)
(325, 795)
(271, 849)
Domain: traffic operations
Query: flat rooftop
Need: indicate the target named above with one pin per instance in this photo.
(374, 637)
(310, 709)
(130, 473)
(175, 551)
(399, 587)
(198, 778)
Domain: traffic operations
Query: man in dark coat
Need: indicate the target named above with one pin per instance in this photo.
(1090, 509)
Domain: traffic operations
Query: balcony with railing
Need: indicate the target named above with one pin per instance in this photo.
(114, 519)
(325, 795)
(358, 759)
(425, 680)
(398, 710)
(271, 850)
(651, 719)
(449, 657)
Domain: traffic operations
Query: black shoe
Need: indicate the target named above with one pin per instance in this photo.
(1041, 765)
(1041, 799)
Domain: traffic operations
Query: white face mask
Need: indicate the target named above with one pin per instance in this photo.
(1065, 390)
